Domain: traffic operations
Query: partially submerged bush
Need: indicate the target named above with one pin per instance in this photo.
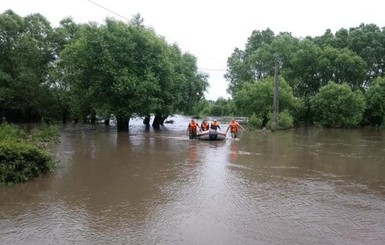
(285, 120)
(11, 132)
(44, 134)
(255, 121)
(337, 106)
(36, 136)
(21, 156)
(20, 162)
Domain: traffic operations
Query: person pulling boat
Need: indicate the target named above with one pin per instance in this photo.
(204, 125)
(233, 126)
(192, 129)
(215, 125)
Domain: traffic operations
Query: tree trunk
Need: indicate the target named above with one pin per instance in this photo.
(122, 123)
(64, 115)
(93, 116)
(146, 121)
(158, 121)
(107, 121)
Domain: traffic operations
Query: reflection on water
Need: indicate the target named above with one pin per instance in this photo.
(303, 186)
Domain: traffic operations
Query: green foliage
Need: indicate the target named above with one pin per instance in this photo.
(336, 105)
(11, 132)
(115, 68)
(216, 110)
(21, 154)
(255, 121)
(243, 66)
(301, 72)
(220, 107)
(257, 99)
(26, 50)
(366, 41)
(341, 66)
(375, 103)
(353, 56)
(20, 162)
(285, 120)
(126, 69)
(37, 136)
(43, 134)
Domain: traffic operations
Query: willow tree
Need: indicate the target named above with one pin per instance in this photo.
(192, 83)
(125, 70)
(102, 69)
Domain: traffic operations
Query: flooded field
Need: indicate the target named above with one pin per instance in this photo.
(301, 186)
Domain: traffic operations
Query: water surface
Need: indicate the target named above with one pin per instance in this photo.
(301, 186)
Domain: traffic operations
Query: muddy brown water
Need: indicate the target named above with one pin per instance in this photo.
(301, 186)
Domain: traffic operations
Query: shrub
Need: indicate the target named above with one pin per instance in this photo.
(257, 98)
(375, 106)
(20, 162)
(44, 134)
(285, 120)
(336, 105)
(21, 158)
(255, 121)
(10, 132)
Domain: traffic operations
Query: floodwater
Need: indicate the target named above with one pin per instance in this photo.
(301, 186)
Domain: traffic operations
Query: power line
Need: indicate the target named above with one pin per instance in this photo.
(109, 10)
(123, 17)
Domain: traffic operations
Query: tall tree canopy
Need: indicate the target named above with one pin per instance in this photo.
(26, 49)
(126, 69)
(353, 56)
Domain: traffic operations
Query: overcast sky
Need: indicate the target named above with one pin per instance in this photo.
(212, 29)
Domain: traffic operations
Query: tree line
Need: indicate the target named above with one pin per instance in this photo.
(78, 71)
(334, 80)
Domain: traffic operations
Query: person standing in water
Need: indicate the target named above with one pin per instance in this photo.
(192, 129)
(204, 125)
(233, 126)
(215, 125)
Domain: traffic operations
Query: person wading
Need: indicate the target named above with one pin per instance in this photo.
(204, 125)
(233, 126)
(192, 129)
(215, 125)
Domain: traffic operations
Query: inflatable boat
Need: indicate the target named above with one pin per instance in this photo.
(211, 135)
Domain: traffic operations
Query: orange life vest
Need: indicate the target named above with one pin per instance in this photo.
(233, 127)
(204, 126)
(193, 127)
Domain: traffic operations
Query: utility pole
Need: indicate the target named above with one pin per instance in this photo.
(275, 98)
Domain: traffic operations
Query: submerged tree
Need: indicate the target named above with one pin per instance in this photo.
(127, 70)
